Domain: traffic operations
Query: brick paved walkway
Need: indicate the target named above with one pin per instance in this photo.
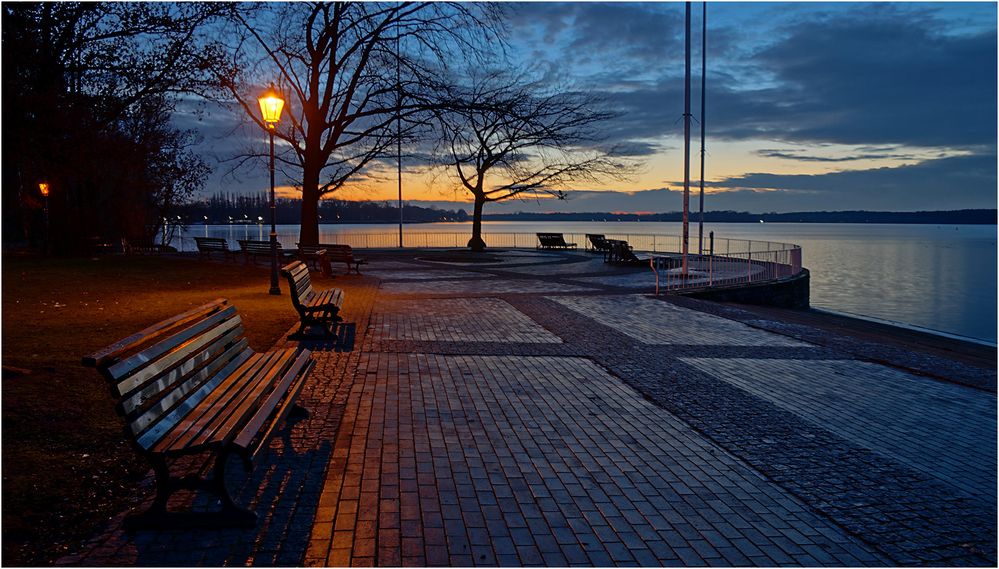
(523, 413)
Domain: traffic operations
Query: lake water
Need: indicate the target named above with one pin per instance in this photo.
(941, 277)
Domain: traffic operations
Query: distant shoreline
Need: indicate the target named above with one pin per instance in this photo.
(955, 217)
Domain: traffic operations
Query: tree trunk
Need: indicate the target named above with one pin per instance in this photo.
(309, 232)
(476, 243)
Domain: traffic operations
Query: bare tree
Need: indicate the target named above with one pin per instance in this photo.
(348, 71)
(508, 139)
(89, 88)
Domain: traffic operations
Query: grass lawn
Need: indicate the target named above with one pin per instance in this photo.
(66, 466)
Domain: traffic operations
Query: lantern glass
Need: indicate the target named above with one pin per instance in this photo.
(270, 107)
(44, 189)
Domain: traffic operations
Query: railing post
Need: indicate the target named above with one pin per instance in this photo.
(711, 258)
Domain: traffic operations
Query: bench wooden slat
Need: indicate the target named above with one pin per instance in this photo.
(115, 350)
(132, 372)
(251, 395)
(153, 438)
(286, 372)
(295, 373)
(141, 417)
(212, 357)
(189, 426)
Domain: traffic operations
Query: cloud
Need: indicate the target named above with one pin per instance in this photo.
(796, 155)
(945, 184)
(849, 75)
(949, 183)
(873, 76)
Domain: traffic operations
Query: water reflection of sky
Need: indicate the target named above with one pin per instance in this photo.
(938, 277)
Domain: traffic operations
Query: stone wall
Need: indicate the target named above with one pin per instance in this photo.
(792, 292)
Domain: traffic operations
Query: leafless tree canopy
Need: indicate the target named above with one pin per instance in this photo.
(347, 71)
(505, 138)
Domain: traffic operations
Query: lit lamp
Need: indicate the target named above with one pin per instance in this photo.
(43, 188)
(270, 107)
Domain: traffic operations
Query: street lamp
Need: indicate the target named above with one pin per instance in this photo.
(270, 107)
(43, 188)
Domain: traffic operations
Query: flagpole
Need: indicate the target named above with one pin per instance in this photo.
(686, 142)
(704, 72)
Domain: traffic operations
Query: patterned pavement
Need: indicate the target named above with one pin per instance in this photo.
(499, 415)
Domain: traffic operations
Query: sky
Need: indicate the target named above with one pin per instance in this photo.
(810, 106)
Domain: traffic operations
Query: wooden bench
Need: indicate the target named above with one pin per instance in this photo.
(598, 243)
(209, 245)
(313, 307)
(553, 241)
(145, 246)
(620, 253)
(191, 385)
(342, 254)
(252, 249)
(315, 256)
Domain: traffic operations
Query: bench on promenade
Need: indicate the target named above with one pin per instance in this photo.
(341, 254)
(598, 243)
(553, 241)
(144, 246)
(252, 249)
(315, 257)
(191, 385)
(209, 245)
(313, 307)
(620, 253)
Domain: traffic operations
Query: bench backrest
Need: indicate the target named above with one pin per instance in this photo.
(621, 251)
(310, 250)
(251, 246)
(598, 240)
(299, 282)
(552, 240)
(161, 372)
(338, 252)
(211, 244)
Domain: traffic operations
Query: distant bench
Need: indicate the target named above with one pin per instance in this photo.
(620, 253)
(252, 249)
(144, 246)
(313, 307)
(598, 242)
(191, 385)
(553, 241)
(334, 254)
(209, 245)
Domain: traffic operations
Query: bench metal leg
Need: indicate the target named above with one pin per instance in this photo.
(158, 517)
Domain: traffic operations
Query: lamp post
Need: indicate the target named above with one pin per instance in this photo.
(43, 188)
(270, 107)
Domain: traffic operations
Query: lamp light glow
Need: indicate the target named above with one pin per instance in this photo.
(271, 105)
(44, 189)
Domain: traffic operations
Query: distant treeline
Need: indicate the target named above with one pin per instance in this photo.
(223, 208)
(955, 217)
(226, 208)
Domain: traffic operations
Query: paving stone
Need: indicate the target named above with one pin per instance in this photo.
(529, 413)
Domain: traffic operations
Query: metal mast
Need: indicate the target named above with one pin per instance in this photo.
(398, 128)
(704, 72)
(686, 141)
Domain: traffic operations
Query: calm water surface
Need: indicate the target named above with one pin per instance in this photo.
(941, 277)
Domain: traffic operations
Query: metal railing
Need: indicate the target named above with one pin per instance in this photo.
(724, 262)
(708, 271)
(644, 242)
